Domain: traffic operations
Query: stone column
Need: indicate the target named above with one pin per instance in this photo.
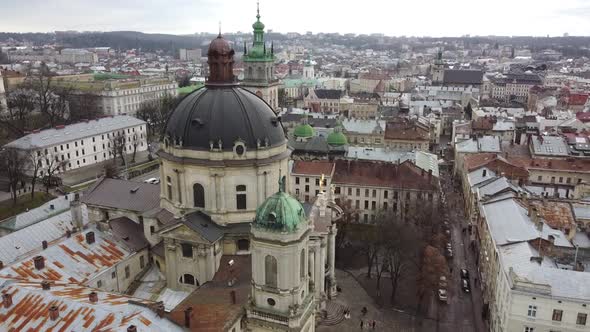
(322, 265)
(222, 201)
(217, 192)
(179, 187)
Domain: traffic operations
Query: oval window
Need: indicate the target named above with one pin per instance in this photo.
(239, 150)
(270, 302)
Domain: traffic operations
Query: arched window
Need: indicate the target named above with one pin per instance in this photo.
(302, 264)
(199, 195)
(270, 271)
(249, 72)
(241, 197)
(169, 187)
(188, 279)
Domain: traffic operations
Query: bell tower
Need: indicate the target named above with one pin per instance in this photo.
(438, 69)
(259, 66)
(282, 296)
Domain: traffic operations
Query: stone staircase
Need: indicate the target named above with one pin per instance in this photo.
(335, 314)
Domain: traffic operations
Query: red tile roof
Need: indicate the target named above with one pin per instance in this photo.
(558, 215)
(383, 174)
(213, 309)
(313, 167)
(406, 131)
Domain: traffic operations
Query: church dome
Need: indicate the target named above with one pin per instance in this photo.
(337, 138)
(227, 115)
(258, 25)
(280, 212)
(220, 46)
(303, 131)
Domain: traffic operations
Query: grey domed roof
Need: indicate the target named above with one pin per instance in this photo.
(227, 113)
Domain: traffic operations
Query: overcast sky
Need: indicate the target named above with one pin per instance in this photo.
(391, 17)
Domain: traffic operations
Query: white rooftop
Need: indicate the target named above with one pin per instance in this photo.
(76, 131)
(424, 160)
(549, 145)
(53, 207)
(363, 126)
(480, 144)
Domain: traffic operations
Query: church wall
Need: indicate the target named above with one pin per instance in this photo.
(288, 276)
(121, 281)
(220, 188)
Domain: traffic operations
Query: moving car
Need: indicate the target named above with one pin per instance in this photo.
(464, 274)
(152, 180)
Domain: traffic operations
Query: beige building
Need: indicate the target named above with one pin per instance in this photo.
(406, 136)
(324, 101)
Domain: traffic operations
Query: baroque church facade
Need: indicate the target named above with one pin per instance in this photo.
(224, 165)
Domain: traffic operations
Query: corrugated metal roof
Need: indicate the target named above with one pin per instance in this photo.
(72, 259)
(76, 131)
(112, 312)
(22, 242)
(53, 207)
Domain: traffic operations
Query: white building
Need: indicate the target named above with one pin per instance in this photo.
(193, 55)
(81, 144)
(3, 104)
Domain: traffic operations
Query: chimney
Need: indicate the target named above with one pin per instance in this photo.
(39, 262)
(429, 174)
(232, 296)
(90, 237)
(132, 328)
(160, 309)
(68, 233)
(44, 244)
(93, 297)
(187, 317)
(45, 285)
(7, 300)
(53, 312)
(76, 211)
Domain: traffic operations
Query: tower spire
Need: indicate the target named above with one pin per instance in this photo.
(258, 10)
(219, 35)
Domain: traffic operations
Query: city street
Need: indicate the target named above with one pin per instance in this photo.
(463, 310)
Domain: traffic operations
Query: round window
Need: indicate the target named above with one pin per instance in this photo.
(240, 150)
(270, 302)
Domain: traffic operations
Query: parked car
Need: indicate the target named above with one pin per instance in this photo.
(465, 285)
(442, 282)
(449, 253)
(464, 274)
(442, 295)
(152, 180)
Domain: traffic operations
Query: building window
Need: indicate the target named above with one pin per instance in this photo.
(561, 179)
(557, 314)
(539, 178)
(366, 205)
(152, 229)
(553, 179)
(357, 204)
(373, 205)
(532, 312)
(365, 218)
(243, 244)
(529, 329)
(141, 262)
(581, 319)
(337, 190)
(317, 192)
(385, 193)
(358, 191)
(169, 187)
(306, 180)
(270, 271)
(317, 182)
(187, 250)
(199, 195)
(241, 197)
(127, 272)
(366, 192)
(384, 205)
(349, 191)
(113, 275)
(188, 279)
(302, 264)
(306, 188)
(297, 180)
(374, 193)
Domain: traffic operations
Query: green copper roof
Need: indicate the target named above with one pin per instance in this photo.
(280, 212)
(258, 51)
(337, 138)
(303, 130)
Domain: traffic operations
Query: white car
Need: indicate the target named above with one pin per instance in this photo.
(152, 180)
(442, 295)
(442, 282)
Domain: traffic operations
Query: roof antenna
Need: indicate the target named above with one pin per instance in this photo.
(258, 10)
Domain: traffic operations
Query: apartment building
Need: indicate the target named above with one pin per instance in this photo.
(68, 147)
(120, 95)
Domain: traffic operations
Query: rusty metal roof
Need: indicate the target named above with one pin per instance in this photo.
(112, 312)
(71, 259)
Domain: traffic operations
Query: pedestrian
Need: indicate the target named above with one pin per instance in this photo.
(373, 324)
(362, 323)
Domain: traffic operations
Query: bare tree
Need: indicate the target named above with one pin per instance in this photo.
(134, 144)
(34, 165)
(83, 106)
(41, 83)
(13, 164)
(117, 145)
(156, 114)
(54, 166)
(401, 252)
(21, 102)
(432, 267)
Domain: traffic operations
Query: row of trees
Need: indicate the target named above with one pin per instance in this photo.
(55, 103)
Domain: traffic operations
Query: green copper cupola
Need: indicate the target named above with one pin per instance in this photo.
(258, 50)
(280, 212)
